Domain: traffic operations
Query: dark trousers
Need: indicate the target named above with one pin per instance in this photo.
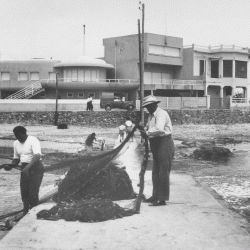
(30, 186)
(163, 153)
(89, 106)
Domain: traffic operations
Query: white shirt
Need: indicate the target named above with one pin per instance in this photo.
(159, 124)
(26, 151)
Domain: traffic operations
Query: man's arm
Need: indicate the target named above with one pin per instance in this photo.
(15, 161)
(33, 162)
(158, 129)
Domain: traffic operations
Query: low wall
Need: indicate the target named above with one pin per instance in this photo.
(116, 118)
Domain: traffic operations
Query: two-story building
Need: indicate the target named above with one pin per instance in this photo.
(222, 69)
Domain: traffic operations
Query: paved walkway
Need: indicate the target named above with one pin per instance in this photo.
(193, 219)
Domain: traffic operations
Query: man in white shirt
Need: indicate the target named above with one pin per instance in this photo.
(158, 131)
(27, 150)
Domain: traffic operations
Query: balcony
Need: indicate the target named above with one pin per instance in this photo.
(175, 84)
(116, 84)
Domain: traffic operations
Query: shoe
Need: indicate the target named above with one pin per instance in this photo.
(150, 200)
(158, 203)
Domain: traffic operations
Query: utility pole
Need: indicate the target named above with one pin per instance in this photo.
(56, 112)
(84, 40)
(140, 67)
(142, 62)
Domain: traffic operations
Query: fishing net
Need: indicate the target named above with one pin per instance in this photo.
(92, 184)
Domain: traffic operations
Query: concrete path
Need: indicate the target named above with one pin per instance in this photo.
(193, 219)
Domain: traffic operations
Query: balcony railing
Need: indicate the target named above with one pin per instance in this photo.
(176, 82)
(239, 100)
(221, 48)
(119, 81)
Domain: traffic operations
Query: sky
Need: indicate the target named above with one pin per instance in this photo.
(54, 28)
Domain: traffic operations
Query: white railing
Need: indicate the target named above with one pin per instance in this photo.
(27, 91)
(239, 100)
(119, 81)
(188, 82)
(220, 48)
(175, 82)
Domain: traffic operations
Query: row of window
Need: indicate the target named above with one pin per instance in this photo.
(164, 51)
(73, 75)
(156, 77)
(80, 75)
(26, 76)
(240, 68)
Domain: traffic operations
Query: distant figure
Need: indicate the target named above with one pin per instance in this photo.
(89, 142)
(89, 103)
(123, 99)
(129, 126)
(122, 135)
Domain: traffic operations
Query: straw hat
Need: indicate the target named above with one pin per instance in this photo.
(122, 127)
(128, 123)
(149, 100)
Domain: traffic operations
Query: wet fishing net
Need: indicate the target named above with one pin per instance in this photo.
(91, 185)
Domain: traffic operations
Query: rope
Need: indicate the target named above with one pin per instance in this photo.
(94, 164)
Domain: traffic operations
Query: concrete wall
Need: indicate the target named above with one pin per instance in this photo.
(116, 118)
(16, 66)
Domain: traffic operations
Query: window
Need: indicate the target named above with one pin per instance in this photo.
(80, 95)
(81, 75)
(147, 77)
(240, 69)
(227, 68)
(5, 76)
(93, 75)
(52, 76)
(70, 95)
(163, 50)
(87, 75)
(23, 76)
(92, 94)
(68, 76)
(215, 69)
(202, 67)
(34, 76)
(74, 75)
(156, 78)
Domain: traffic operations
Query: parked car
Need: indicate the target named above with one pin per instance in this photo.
(109, 103)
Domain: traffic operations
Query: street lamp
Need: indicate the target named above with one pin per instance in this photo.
(56, 112)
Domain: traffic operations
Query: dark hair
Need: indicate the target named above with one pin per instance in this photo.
(19, 130)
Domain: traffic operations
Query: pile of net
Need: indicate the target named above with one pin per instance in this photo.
(85, 211)
(83, 184)
(91, 185)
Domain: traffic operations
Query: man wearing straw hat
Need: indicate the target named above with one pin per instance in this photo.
(158, 131)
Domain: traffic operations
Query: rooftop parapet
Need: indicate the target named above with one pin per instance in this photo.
(220, 48)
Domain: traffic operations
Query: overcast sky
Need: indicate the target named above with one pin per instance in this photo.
(54, 28)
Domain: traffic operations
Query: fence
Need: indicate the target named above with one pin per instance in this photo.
(181, 102)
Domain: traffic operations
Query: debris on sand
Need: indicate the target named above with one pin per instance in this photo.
(212, 153)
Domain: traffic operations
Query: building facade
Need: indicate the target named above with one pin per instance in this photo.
(171, 70)
(72, 79)
(223, 70)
